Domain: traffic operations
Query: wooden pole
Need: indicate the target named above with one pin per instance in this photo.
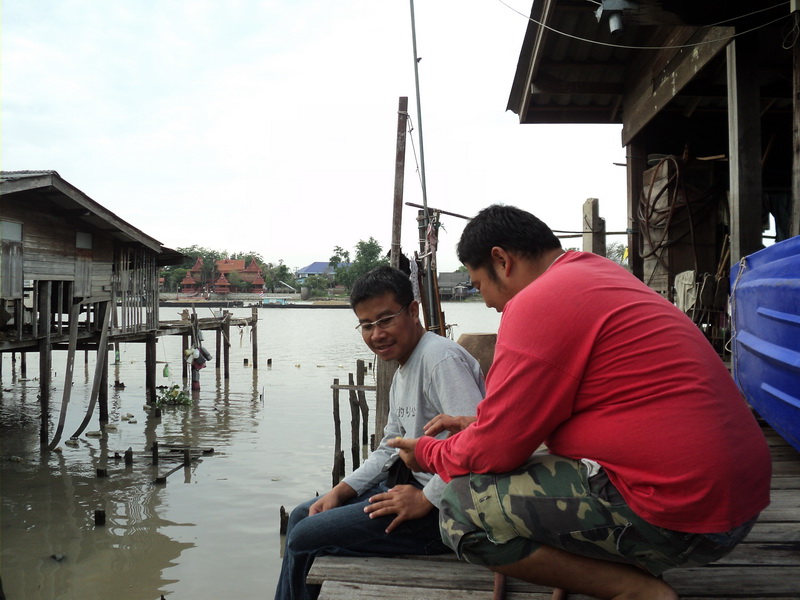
(399, 180)
(355, 424)
(100, 317)
(362, 403)
(254, 335)
(184, 364)
(45, 357)
(226, 345)
(218, 355)
(337, 435)
(744, 139)
(150, 369)
(636, 165)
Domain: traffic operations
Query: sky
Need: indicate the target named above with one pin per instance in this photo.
(270, 126)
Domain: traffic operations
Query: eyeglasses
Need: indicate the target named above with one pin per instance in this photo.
(383, 323)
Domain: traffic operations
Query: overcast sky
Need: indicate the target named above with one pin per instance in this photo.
(270, 126)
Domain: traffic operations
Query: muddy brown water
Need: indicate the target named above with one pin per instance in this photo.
(212, 531)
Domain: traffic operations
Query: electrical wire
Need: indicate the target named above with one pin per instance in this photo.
(676, 47)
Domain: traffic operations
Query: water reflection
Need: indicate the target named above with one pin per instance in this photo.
(212, 530)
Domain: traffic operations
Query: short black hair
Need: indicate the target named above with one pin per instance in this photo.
(380, 280)
(508, 227)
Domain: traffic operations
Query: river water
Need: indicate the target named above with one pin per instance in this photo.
(212, 531)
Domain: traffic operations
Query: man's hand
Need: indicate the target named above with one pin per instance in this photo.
(333, 499)
(447, 423)
(405, 501)
(407, 446)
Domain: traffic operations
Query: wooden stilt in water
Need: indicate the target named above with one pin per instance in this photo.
(184, 364)
(226, 328)
(102, 355)
(254, 335)
(45, 358)
(150, 369)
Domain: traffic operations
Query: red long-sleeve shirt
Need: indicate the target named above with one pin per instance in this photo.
(596, 365)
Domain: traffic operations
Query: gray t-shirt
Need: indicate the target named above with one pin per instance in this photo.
(439, 377)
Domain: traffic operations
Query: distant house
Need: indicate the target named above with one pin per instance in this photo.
(194, 280)
(454, 286)
(322, 269)
(315, 268)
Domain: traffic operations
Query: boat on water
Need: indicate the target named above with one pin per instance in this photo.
(765, 321)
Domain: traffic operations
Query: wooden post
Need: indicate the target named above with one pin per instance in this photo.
(362, 404)
(399, 179)
(355, 425)
(226, 345)
(150, 369)
(102, 355)
(254, 335)
(636, 165)
(23, 365)
(45, 357)
(184, 364)
(594, 228)
(337, 433)
(218, 356)
(744, 139)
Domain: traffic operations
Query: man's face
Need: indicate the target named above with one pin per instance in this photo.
(397, 331)
(494, 292)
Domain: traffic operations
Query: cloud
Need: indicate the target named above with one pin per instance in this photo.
(271, 126)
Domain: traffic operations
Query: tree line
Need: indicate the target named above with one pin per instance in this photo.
(367, 255)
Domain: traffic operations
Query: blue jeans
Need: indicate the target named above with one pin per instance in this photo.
(348, 531)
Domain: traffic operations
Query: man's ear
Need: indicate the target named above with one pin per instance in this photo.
(502, 261)
(413, 309)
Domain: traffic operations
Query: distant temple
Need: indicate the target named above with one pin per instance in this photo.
(193, 282)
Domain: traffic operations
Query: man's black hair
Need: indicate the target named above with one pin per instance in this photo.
(510, 228)
(380, 280)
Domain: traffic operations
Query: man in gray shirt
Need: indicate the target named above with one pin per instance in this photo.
(380, 509)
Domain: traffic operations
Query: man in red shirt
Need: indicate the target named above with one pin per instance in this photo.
(654, 459)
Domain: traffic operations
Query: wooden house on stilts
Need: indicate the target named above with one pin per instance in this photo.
(72, 275)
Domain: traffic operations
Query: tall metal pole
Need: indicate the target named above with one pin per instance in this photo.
(432, 302)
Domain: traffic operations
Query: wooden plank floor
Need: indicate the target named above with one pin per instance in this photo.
(765, 565)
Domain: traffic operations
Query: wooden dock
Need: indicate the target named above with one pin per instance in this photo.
(765, 565)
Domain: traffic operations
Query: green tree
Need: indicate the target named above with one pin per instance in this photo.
(275, 275)
(210, 257)
(369, 255)
(616, 252)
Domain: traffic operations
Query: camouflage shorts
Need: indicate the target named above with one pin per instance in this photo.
(500, 519)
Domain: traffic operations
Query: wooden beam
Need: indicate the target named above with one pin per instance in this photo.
(744, 141)
(664, 83)
(635, 167)
(541, 12)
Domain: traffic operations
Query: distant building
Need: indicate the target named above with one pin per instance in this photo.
(194, 280)
(322, 269)
(454, 286)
